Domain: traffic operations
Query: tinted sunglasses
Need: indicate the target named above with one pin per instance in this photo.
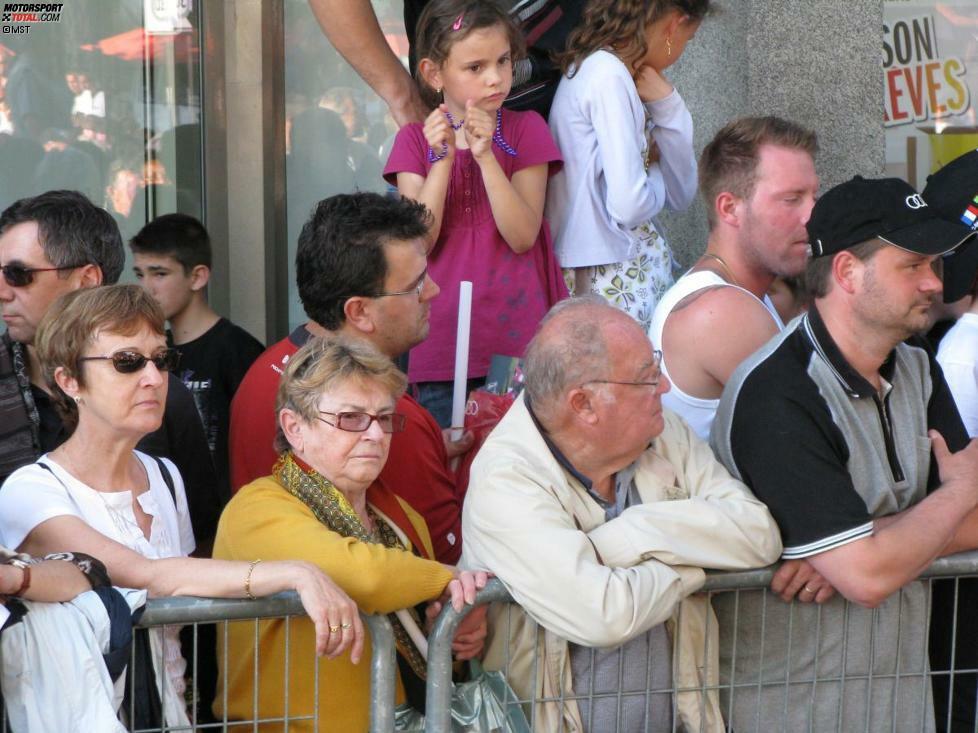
(130, 362)
(18, 276)
(359, 422)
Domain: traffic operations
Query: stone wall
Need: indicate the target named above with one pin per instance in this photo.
(817, 62)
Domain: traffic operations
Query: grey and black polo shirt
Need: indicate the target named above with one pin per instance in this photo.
(819, 445)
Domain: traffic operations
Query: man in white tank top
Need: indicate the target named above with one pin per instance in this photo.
(758, 181)
(757, 178)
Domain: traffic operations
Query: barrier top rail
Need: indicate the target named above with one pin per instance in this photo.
(383, 660)
(185, 610)
(439, 649)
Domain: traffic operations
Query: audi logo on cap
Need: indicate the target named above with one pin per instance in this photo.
(916, 201)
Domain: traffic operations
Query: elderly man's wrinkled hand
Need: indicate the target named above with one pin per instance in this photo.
(338, 624)
(797, 578)
(461, 589)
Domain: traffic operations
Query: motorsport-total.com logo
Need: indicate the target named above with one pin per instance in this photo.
(23, 15)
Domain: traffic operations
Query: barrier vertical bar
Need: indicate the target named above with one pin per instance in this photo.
(438, 690)
(383, 673)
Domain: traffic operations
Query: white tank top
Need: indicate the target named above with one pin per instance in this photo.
(696, 411)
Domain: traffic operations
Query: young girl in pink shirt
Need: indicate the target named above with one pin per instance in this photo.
(482, 171)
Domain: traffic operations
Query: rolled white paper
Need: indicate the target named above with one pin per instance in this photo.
(459, 395)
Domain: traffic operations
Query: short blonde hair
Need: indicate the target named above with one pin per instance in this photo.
(324, 363)
(75, 320)
(729, 161)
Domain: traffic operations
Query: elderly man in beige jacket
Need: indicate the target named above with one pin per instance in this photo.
(598, 511)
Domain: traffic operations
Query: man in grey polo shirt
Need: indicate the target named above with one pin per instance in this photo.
(844, 426)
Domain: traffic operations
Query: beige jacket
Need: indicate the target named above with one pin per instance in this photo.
(598, 583)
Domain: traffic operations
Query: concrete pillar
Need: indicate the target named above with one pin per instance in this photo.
(254, 176)
(813, 61)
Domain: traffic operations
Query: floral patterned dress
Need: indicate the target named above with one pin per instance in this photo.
(634, 285)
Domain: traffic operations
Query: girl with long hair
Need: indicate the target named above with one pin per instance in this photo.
(627, 141)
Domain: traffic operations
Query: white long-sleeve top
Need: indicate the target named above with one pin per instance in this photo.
(958, 357)
(604, 190)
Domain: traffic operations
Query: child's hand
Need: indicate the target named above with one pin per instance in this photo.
(651, 85)
(439, 133)
(479, 127)
(654, 155)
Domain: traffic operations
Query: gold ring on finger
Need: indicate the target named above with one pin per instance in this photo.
(333, 629)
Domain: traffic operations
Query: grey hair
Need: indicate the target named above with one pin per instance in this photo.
(555, 363)
(324, 364)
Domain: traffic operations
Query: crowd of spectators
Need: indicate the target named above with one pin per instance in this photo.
(775, 402)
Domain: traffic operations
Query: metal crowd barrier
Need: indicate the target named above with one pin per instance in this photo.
(192, 612)
(832, 668)
(841, 683)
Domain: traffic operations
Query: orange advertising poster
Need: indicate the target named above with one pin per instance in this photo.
(930, 77)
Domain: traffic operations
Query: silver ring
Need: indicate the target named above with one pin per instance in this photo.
(346, 625)
(810, 590)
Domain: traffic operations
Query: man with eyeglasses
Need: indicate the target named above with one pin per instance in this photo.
(598, 511)
(362, 272)
(52, 244)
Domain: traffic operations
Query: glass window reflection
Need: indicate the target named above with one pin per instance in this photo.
(338, 132)
(107, 102)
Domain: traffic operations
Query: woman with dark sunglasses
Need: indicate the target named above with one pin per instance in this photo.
(336, 417)
(103, 353)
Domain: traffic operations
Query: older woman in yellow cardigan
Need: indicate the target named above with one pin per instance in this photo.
(336, 416)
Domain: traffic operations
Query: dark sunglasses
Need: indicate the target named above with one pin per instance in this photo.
(130, 362)
(18, 276)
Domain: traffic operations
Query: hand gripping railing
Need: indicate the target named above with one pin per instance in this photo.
(439, 682)
(438, 693)
(383, 662)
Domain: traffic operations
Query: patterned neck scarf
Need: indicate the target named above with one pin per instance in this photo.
(334, 510)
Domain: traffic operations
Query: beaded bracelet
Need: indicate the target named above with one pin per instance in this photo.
(497, 138)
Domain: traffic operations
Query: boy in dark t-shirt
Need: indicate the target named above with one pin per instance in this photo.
(173, 262)
(172, 256)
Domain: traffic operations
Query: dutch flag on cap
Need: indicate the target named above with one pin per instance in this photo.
(970, 216)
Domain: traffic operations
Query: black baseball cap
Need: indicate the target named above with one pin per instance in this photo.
(953, 192)
(886, 208)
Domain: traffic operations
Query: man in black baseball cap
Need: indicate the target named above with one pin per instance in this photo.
(864, 216)
(953, 193)
(888, 209)
(828, 425)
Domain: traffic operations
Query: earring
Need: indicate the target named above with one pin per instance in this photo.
(78, 399)
(669, 47)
